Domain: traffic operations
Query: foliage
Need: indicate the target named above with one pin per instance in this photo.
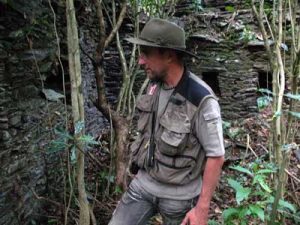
(247, 35)
(253, 194)
(266, 100)
(66, 140)
(229, 131)
(155, 8)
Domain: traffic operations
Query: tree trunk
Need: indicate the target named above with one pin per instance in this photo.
(77, 108)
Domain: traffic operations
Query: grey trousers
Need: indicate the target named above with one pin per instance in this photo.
(137, 206)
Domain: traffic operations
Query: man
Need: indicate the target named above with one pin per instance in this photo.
(179, 151)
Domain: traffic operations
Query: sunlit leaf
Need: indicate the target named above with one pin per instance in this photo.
(229, 8)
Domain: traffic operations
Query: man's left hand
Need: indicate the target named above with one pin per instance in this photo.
(195, 218)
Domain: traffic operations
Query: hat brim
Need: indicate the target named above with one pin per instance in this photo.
(139, 41)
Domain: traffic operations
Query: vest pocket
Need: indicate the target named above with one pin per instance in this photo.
(173, 170)
(144, 106)
(175, 128)
(138, 150)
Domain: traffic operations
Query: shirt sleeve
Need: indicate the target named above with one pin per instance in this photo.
(208, 128)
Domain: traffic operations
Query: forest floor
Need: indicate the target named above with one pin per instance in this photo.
(246, 146)
(246, 143)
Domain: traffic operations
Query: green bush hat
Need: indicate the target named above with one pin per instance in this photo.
(161, 33)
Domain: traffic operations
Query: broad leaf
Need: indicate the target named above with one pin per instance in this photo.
(263, 101)
(283, 204)
(295, 114)
(229, 213)
(258, 211)
(292, 96)
(261, 180)
(287, 205)
(242, 169)
(88, 139)
(265, 171)
(241, 192)
(266, 91)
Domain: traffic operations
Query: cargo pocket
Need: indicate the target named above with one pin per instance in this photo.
(175, 131)
(173, 170)
(144, 106)
(138, 150)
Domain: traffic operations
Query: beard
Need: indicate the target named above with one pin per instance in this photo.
(155, 75)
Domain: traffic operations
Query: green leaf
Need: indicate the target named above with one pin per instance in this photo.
(88, 139)
(260, 179)
(79, 126)
(241, 192)
(283, 204)
(62, 133)
(263, 101)
(276, 114)
(241, 169)
(266, 91)
(118, 190)
(265, 171)
(229, 213)
(287, 205)
(213, 222)
(229, 8)
(295, 114)
(257, 211)
(17, 34)
(244, 211)
(292, 96)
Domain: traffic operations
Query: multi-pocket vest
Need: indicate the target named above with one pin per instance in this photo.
(178, 155)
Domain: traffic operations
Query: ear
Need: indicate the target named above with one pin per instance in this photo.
(171, 55)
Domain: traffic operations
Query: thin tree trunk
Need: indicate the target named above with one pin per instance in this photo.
(77, 107)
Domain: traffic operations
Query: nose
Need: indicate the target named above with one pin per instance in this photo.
(142, 60)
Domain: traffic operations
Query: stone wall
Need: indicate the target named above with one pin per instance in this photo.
(228, 63)
(26, 118)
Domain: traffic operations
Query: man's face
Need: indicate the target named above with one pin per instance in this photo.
(154, 63)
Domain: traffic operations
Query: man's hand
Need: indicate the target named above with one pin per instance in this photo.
(195, 217)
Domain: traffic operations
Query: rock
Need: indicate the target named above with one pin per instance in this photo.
(19, 164)
(29, 91)
(52, 95)
(15, 120)
(4, 135)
